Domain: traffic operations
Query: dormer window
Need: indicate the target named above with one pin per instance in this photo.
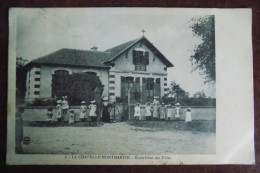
(140, 59)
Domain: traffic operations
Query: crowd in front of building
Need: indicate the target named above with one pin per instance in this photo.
(155, 111)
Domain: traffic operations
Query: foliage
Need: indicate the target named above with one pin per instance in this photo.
(119, 100)
(42, 102)
(20, 77)
(77, 86)
(190, 101)
(203, 58)
(199, 94)
(176, 91)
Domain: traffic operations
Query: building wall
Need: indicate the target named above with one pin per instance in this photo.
(46, 73)
(124, 67)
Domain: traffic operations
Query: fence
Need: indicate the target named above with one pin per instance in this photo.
(119, 112)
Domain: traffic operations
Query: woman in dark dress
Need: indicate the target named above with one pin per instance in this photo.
(105, 110)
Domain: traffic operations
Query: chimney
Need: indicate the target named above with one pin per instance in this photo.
(94, 49)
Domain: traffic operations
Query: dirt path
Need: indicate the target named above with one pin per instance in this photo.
(117, 138)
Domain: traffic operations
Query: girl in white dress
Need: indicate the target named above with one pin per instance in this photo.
(148, 114)
(58, 115)
(64, 106)
(177, 109)
(156, 111)
(93, 109)
(83, 111)
(137, 112)
(169, 112)
(163, 112)
(71, 117)
(188, 115)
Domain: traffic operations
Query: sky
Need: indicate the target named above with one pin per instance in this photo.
(42, 31)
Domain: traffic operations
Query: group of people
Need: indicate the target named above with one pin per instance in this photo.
(153, 111)
(157, 111)
(63, 110)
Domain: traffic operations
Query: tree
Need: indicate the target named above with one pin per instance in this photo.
(203, 58)
(77, 86)
(199, 94)
(176, 91)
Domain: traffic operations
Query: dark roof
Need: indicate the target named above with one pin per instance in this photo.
(74, 57)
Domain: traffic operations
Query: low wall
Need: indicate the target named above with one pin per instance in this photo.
(39, 113)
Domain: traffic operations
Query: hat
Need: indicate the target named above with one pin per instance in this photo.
(58, 101)
(71, 110)
(177, 104)
(83, 102)
(65, 97)
(189, 108)
(93, 101)
(105, 98)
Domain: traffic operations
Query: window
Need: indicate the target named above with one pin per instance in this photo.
(111, 76)
(36, 92)
(140, 59)
(112, 82)
(37, 72)
(36, 86)
(37, 79)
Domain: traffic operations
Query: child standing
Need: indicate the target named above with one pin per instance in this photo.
(58, 115)
(188, 115)
(71, 116)
(163, 112)
(156, 111)
(83, 111)
(49, 114)
(169, 112)
(148, 114)
(64, 106)
(137, 112)
(93, 109)
(177, 109)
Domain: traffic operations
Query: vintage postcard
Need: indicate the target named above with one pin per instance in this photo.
(130, 86)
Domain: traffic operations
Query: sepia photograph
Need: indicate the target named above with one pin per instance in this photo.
(114, 83)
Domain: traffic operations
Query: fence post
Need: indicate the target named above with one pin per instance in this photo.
(97, 95)
(19, 130)
(130, 101)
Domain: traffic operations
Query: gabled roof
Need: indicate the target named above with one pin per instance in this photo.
(74, 57)
(115, 52)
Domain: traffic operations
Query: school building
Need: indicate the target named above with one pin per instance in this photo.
(137, 64)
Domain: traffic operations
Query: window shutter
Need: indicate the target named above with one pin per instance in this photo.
(134, 57)
(146, 58)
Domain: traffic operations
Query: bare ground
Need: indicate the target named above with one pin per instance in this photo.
(121, 138)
